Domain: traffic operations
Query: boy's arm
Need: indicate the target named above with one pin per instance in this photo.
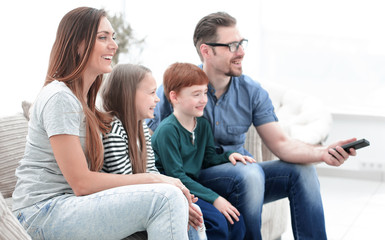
(166, 147)
(211, 157)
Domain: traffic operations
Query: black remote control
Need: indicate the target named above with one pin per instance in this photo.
(356, 145)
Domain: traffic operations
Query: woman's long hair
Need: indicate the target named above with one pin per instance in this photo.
(77, 27)
(119, 100)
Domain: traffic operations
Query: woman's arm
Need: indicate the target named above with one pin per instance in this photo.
(72, 162)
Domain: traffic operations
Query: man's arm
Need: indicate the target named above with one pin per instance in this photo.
(294, 151)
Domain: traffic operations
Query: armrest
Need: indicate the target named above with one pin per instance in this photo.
(9, 225)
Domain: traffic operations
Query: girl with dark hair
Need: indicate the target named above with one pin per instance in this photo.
(61, 192)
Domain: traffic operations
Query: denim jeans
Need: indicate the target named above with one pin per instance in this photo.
(160, 209)
(217, 226)
(247, 187)
(200, 234)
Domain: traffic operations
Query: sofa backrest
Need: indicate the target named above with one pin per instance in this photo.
(13, 132)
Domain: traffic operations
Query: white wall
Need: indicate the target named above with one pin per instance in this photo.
(333, 49)
(29, 28)
(370, 161)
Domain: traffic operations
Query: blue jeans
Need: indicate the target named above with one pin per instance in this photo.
(160, 209)
(217, 226)
(193, 234)
(247, 187)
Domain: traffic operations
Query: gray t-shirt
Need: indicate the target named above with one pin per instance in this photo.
(55, 111)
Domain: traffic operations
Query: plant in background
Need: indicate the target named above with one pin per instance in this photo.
(124, 36)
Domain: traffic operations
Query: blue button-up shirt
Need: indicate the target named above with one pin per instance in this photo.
(244, 103)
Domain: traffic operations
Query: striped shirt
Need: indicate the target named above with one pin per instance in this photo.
(116, 152)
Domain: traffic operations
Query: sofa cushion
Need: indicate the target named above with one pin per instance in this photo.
(25, 105)
(9, 225)
(13, 131)
(302, 116)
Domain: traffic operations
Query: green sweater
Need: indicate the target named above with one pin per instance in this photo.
(177, 156)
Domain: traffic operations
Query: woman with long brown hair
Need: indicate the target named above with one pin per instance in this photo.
(61, 192)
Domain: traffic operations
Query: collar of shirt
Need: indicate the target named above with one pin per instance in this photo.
(212, 91)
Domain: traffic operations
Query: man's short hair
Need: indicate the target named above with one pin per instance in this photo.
(206, 29)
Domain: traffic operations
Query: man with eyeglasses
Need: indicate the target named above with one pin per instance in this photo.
(235, 101)
(233, 46)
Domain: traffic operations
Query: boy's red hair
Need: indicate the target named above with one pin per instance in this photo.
(181, 75)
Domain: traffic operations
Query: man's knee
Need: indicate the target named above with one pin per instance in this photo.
(305, 172)
(251, 175)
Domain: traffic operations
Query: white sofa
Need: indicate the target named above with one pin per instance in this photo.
(301, 116)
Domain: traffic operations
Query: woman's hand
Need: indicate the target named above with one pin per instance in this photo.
(176, 182)
(234, 157)
(228, 210)
(195, 215)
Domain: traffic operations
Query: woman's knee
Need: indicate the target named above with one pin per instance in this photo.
(173, 195)
(157, 200)
(169, 211)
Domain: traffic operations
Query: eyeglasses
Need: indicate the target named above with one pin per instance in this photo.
(233, 47)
